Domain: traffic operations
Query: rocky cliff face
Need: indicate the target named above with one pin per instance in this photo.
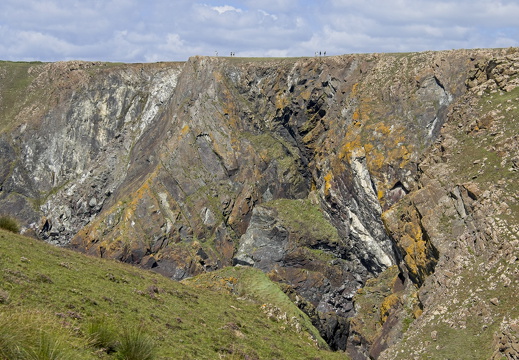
(322, 172)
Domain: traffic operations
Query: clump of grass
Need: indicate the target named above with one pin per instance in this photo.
(4, 297)
(8, 344)
(9, 224)
(26, 337)
(48, 348)
(102, 335)
(135, 345)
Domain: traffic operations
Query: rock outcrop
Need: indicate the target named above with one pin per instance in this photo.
(458, 229)
(322, 172)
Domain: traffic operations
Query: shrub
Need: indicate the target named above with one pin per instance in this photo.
(136, 345)
(9, 224)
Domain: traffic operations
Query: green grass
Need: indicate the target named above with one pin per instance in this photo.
(254, 285)
(30, 335)
(52, 300)
(239, 59)
(468, 323)
(484, 144)
(102, 334)
(276, 149)
(368, 302)
(304, 217)
(135, 345)
(14, 80)
(9, 224)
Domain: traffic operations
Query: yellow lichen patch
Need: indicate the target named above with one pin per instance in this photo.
(406, 155)
(313, 187)
(365, 109)
(355, 89)
(328, 183)
(348, 148)
(218, 76)
(417, 312)
(388, 303)
(415, 248)
(356, 117)
(382, 128)
(368, 148)
(264, 155)
(229, 110)
(185, 130)
(281, 101)
(400, 152)
(305, 95)
(375, 160)
(380, 194)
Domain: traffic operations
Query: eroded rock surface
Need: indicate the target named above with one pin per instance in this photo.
(322, 172)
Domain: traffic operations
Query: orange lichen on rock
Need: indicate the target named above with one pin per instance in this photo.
(380, 194)
(348, 147)
(375, 159)
(328, 183)
(230, 111)
(355, 89)
(185, 130)
(400, 152)
(281, 101)
(356, 118)
(382, 128)
(389, 302)
(415, 248)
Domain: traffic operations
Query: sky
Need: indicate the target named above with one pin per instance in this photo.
(174, 30)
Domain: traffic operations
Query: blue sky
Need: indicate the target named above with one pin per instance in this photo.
(170, 30)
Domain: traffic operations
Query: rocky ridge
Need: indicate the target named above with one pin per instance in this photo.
(322, 172)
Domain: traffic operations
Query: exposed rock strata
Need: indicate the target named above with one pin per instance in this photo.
(465, 227)
(185, 168)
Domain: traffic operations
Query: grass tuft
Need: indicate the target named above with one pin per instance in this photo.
(102, 335)
(9, 224)
(136, 345)
(29, 336)
(48, 348)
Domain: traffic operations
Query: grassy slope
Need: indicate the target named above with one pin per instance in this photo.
(14, 80)
(56, 293)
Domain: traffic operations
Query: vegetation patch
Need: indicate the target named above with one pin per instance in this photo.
(302, 216)
(9, 224)
(465, 326)
(15, 78)
(144, 315)
(373, 302)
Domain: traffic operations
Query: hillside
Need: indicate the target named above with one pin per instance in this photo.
(379, 191)
(54, 301)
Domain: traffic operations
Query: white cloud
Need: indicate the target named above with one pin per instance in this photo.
(225, 8)
(155, 30)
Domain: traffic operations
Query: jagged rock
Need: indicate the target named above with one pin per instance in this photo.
(265, 243)
(460, 206)
(322, 172)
